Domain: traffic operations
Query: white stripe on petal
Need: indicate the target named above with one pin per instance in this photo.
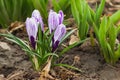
(59, 32)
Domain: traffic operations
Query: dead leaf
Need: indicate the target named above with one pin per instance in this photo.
(15, 26)
(45, 72)
(73, 39)
(3, 31)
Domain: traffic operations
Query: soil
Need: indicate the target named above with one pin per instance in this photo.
(15, 64)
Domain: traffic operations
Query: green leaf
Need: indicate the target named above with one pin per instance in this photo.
(4, 17)
(110, 55)
(81, 13)
(96, 31)
(30, 52)
(112, 36)
(99, 11)
(14, 10)
(117, 53)
(64, 4)
(71, 46)
(75, 12)
(41, 5)
(56, 5)
(67, 35)
(118, 29)
(16, 40)
(115, 17)
(68, 66)
(17, 7)
(50, 54)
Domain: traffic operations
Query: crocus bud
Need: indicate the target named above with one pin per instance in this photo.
(54, 20)
(32, 29)
(37, 16)
(61, 17)
(58, 35)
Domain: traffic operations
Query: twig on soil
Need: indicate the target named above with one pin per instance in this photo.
(76, 60)
(63, 58)
(14, 75)
(69, 72)
(64, 45)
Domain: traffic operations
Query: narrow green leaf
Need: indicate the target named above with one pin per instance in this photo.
(71, 46)
(31, 53)
(115, 17)
(50, 54)
(99, 11)
(16, 40)
(69, 66)
(67, 35)
(75, 11)
(56, 5)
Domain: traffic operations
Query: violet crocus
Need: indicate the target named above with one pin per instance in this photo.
(32, 29)
(58, 35)
(55, 19)
(38, 18)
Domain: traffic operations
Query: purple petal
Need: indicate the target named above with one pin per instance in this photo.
(59, 32)
(53, 20)
(37, 16)
(58, 35)
(32, 28)
(32, 40)
(55, 45)
(61, 16)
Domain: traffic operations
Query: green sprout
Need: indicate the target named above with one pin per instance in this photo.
(107, 38)
(105, 31)
(80, 12)
(85, 16)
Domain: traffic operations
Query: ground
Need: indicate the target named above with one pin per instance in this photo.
(15, 64)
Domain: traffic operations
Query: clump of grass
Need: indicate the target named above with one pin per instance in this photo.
(14, 10)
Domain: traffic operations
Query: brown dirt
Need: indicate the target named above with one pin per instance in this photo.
(15, 65)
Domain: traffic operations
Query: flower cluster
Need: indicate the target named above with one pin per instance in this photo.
(55, 25)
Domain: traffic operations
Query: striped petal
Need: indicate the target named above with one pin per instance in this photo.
(37, 16)
(32, 29)
(53, 21)
(58, 35)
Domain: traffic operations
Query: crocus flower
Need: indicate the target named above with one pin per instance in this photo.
(58, 35)
(37, 16)
(54, 20)
(32, 29)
